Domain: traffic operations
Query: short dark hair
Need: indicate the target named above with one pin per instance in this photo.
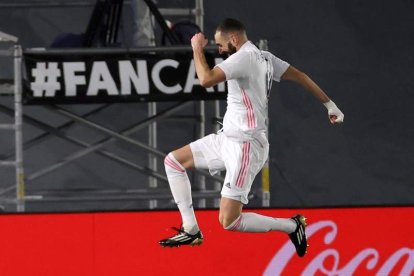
(231, 25)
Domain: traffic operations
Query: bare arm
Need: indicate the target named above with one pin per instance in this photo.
(208, 77)
(293, 74)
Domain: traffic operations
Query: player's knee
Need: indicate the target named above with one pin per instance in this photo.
(226, 221)
(172, 165)
(167, 158)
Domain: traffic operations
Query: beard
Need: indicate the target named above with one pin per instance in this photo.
(231, 51)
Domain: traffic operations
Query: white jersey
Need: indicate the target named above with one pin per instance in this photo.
(246, 74)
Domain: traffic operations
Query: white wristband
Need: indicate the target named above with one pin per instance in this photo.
(330, 105)
(333, 110)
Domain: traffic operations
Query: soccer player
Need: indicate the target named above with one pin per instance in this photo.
(241, 147)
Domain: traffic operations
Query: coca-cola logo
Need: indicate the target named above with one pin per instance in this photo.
(367, 259)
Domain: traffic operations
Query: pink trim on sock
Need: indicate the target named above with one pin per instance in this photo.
(172, 157)
(173, 164)
(236, 224)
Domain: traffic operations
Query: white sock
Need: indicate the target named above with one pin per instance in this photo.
(251, 222)
(181, 190)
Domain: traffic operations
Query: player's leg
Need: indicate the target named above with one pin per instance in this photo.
(184, 156)
(200, 154)
(176, 163)
(253, 222)
(243, 162)
(232, 218)
(230, 211)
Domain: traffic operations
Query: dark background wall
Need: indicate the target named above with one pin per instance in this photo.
(360, 52)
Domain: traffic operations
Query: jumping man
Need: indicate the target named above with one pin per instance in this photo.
(241, 147)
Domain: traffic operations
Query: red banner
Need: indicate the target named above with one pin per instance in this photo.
(351, 241)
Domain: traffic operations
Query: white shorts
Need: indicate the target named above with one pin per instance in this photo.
(241, 160)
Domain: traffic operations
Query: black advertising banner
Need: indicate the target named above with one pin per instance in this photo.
(68, 77)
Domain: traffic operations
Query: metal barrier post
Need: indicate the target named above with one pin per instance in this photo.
(18, 113)
(199, 18)
(152, 159)
(265, 169)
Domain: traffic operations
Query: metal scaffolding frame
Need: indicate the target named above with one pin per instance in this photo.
(150, 123)
(16, 52)
(150, 194)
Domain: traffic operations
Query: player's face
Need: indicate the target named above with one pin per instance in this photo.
(225, 46)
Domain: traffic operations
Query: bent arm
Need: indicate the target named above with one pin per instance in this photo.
(334, 113)
(293, 74)
(208, 77)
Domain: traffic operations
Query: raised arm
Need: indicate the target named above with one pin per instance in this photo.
(293, 74)
(208, 77)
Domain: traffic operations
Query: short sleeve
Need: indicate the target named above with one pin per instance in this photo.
(236, 66)
(279, 66)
